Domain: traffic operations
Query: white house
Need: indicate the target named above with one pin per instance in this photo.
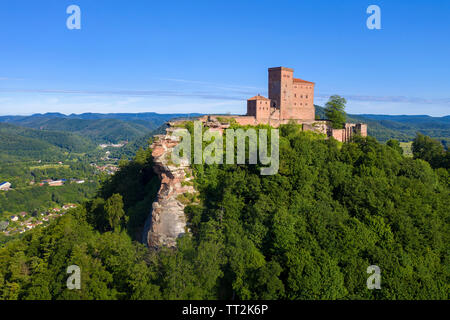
(5, 186)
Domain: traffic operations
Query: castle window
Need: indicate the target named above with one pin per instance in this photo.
(295, 95)
(306, 96)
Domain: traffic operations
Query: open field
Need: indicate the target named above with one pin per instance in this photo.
(50, 166)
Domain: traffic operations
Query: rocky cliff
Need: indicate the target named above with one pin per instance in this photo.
(167, 220)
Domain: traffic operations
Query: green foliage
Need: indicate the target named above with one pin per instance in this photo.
(114, 211)
(334, 111)
(395, 144)
(330, 213)
(430, 150)
(99, 128)
(30, 144)
(226, 120)
(308, 232)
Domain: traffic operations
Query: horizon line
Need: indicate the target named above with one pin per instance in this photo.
(197, 113)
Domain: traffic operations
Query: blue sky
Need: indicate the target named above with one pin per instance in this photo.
(210, 56)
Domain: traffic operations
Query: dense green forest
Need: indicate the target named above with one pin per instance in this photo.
(308, 232)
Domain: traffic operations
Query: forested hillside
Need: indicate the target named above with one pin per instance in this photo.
(99, 131)
(308, 232)
(19, 143)
(99, 128)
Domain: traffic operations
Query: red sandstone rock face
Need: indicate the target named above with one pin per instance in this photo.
(168, 221)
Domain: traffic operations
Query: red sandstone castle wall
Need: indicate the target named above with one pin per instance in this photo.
(321, 126)
(274, 114)
(362, 127)
(246, 120)
(303, 101)
(338, 134)
(262, 109)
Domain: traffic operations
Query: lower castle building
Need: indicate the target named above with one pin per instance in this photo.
(292, 99)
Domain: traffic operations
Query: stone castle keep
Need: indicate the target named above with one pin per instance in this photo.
(291, 99)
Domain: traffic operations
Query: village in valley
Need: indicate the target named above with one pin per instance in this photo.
(15, 222)
(24, 221)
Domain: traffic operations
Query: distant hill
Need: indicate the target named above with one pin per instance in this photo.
(99, 131)
(19, 143)
(100, 128)
(136, 128)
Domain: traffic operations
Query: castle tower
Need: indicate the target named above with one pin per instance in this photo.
(259, 107)
(280, 90)
(303, 100)
(293, 97)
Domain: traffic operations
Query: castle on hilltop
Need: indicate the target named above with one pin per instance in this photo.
(291, 99)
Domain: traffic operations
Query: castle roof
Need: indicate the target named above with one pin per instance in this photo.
(258, 97)
(302, 81)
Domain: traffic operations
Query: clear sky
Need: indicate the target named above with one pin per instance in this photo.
(210, 56)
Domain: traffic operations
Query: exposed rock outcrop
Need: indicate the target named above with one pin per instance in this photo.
(167, 220)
